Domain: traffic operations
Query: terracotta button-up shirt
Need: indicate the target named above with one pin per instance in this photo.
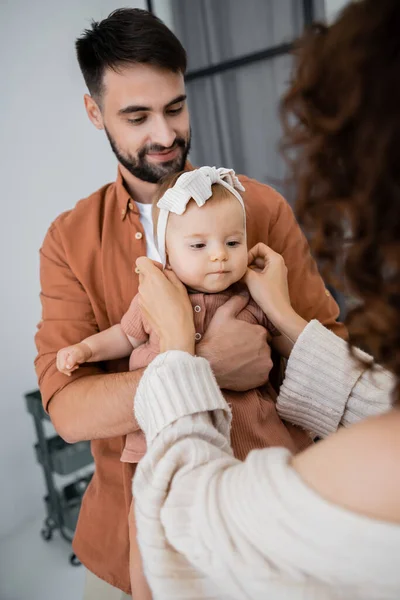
(88, 280)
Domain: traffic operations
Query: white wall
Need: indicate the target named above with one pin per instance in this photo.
(163, 10)
(332, 7)
(50, 157)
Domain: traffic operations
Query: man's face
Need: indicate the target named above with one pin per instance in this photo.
(145, 116)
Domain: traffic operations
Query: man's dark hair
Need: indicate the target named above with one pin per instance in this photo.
(127, 36)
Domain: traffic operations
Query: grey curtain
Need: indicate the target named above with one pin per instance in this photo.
(235, 114)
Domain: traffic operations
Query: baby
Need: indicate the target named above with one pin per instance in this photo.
(200, 228)
(200, 223)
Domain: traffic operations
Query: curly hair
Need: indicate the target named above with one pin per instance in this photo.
(341, 119)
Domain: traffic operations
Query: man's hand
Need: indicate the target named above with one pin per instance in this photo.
(237, 351)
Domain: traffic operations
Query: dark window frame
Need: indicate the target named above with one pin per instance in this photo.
(253, 57)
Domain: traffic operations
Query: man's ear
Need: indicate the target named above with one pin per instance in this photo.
(93, 111)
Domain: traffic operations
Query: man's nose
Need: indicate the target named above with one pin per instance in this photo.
(163, 134)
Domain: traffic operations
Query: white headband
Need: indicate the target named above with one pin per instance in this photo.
(194, 185)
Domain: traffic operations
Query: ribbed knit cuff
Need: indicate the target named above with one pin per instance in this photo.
(319, 378)
(174, 385)
(372, 395)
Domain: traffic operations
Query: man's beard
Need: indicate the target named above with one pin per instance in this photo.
(139, 167)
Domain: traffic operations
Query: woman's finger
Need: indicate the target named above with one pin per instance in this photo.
(142, 306)
(263, 256)
(258, 264)
(143, 309)
(142, 263)
(145, 265)
(260, 250)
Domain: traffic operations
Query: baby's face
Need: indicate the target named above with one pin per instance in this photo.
(206, 246)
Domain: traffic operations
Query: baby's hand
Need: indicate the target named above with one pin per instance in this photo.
(69, 359)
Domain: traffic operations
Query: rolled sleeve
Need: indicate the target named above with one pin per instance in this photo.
(67, 317)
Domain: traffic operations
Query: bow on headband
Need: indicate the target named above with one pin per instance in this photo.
(194, 185)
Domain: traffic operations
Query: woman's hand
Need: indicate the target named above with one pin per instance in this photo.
(165, 304)
(266, 279)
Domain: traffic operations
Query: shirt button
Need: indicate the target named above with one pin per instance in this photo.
(123, 212)
(197, 309)
(197, 337)
(327, 293)
(130, 206)
(137, 270)
(138, 235)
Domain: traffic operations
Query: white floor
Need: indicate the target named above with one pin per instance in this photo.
(32, 569)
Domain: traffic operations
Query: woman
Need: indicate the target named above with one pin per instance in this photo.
(324, 523)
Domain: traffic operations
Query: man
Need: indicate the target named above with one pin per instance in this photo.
(134, 69)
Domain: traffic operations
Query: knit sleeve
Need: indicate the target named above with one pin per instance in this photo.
(325, 387)
(211, 527)
(132, 322)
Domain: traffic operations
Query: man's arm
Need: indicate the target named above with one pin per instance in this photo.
(94, 407)
(89, 404)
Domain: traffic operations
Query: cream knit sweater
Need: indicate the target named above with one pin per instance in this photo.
(210, 526)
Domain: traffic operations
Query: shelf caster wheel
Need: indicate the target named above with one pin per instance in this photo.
(74, 560)
(46, 534)
(49, 523)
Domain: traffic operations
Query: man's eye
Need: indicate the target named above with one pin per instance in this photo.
(197, 246)
(233, 244)
(137, 121)
(175, 111)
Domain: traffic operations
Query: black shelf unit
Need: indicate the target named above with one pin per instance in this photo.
(57, 457)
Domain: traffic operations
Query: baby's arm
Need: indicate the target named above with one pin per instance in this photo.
(109, 344)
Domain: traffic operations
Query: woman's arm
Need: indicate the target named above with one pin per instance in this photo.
(232, 529)
(284, 342)
(210, 526)
(325, 387)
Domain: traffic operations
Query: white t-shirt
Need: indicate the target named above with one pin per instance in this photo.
(147, 222)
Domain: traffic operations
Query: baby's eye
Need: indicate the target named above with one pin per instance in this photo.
(198, 246)
(233, 243)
